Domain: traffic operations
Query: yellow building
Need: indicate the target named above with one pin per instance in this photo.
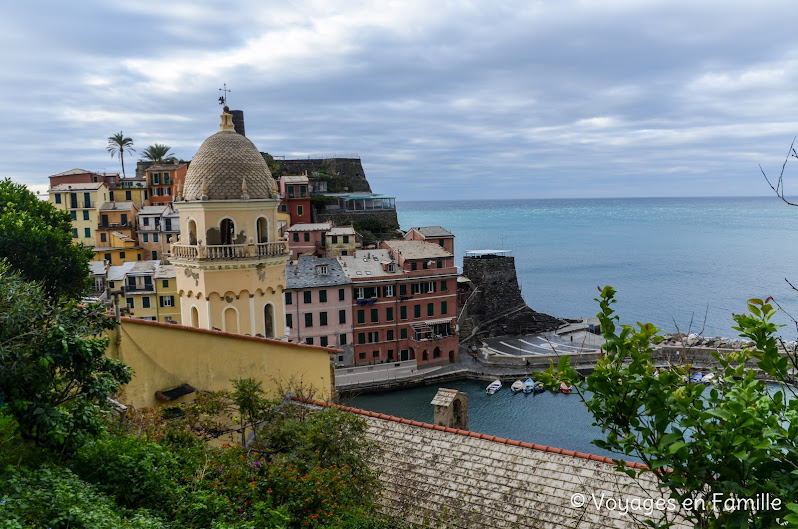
(165, 282)
(81, 200)
(229, 260)
(171, 362)
(120, 249)
(131, 190)
(342, 240)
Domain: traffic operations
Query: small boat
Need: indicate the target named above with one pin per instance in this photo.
(517, 386)
(695, 379)
(493, 387)
(708, 379)
(538, 387)
(529, 385)
(565, 388)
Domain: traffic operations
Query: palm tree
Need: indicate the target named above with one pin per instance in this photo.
(117, 144)
(158, 153)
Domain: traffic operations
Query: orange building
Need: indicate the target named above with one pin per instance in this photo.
(163, 181)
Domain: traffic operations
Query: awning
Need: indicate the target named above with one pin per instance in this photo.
(172, 394)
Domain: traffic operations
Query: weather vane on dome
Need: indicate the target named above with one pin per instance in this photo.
(223, 97)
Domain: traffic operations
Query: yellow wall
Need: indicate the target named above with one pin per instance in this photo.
(164, 356)
(131, 254)
(97, 196)
(170, 290)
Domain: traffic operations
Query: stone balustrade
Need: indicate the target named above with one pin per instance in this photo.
(229, 251)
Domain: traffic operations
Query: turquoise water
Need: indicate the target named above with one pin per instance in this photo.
(672, 260)
(552, 419)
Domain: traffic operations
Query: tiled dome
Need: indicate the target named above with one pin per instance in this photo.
(222, 162)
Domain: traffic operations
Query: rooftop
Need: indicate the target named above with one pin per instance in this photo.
(118, 272)
(433, 231)
(295, 179)
(144, 268)
(97, 267)
(367, 264)
(342, 230)
(86, 186)
(319, 226)
(153, 210)
(164, 167)
(165, 272)
(305, 274)
(417, 249)
(118, 206)
(73, 172)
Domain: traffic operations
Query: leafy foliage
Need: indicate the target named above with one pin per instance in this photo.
(54, 375)
(36, 240)
(708, 446)
(158, 153)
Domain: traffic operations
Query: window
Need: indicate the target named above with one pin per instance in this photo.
(361, 316)
(167, 301)
(403, 333)
(124, 219)
(309, 341)
(416, 311)
(145, 237)
(146, 221)
(299, 211)
(306, 236)
(413, 266)
(131, 303)
(416, 288)
(303, 190)
(74, 233)
(154, 255)
(444, 307)
(74, 215)
(387, 292)
(389, 314)
(359, 294)
(436, 353)
(296, 237)
(375, 316)
(121, 255)
(165, 283)
(375, 354)
(323, 319)
(402, 290)
(103, 237)
(145, 302)
(341, 294)
(430, 309)
(323, 341)
(322, 296)
(309, 320)
(128, 195)
(166, 178)
(335, 239)
(389, 335)
(107, 257)
(424, 265)
(440, 241)
(342, 316)
(362, 356)
(361, 337)
(57, 198)
(289, 299)
(85, 214)
(440, 263)
(290, 191)
(283, 208)
(403, 313)
(431, 286)
(346, 239)
(444, 285)
(322, 270)
(343, 339)
(306, 295)
(156, 178)
(289, 321)
(87, 232)
(154, 237)
(374, 337)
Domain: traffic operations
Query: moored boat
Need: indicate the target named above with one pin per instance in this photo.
(529, 385)
(517, 386)
(565, 388)
(493, 387)
(708, 379)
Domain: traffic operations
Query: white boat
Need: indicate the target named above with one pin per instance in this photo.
(493, 387)
(708, 379)
(517, 386)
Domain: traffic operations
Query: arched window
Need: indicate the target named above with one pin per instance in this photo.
(230, 320)
(268, 321)
(228, 231)
(263, 230)
(194, 317)
(192, 232)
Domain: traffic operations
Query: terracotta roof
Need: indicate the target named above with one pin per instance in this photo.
(222, 161)
(87, 186)
(118, 206)
(465, 479)
(342, 230)
(417, 249)
(433, 231)
(295, 179)
(319, 226)
(72, 172)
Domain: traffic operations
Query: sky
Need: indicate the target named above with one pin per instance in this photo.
(441, 100)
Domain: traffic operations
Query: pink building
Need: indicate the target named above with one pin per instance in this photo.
(318, 306)
(307, 239)
(433, 234)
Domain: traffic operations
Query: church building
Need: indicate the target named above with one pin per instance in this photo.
(229, 260)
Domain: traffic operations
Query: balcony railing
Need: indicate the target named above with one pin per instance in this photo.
(114, 225)
(229, 251)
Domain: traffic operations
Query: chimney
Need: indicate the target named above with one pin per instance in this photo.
(238, 121)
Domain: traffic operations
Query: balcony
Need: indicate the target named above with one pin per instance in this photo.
(229, 251)
(81, 204)
(115, 226)
(431, 330)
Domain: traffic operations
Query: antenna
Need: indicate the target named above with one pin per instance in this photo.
(223, 97)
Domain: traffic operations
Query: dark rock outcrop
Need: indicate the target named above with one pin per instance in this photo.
(495, 307)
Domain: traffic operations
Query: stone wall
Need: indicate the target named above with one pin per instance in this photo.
(496, 307)
(340, 218)
(347, 174)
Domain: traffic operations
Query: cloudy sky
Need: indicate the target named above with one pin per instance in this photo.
(441, 99)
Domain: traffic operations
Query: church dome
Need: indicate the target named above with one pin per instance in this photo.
(222, 163)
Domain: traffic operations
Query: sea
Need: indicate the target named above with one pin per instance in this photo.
(684, 264)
